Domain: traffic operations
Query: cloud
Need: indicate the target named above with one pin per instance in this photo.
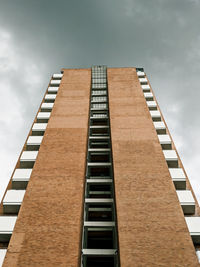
(37, 39)
(7, 55)
(20, 92)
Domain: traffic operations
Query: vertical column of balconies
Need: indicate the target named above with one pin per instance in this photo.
(14, 197)
(99, 242)
(177, 174)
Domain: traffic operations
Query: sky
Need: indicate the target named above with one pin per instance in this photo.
(39, 37)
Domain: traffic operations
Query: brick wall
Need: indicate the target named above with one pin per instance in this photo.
(48, 230)
(151, 225)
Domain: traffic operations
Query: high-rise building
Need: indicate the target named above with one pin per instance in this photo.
(99, 182)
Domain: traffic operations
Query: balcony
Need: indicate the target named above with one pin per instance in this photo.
(57, 76)
(98, 200)
(99, 155)
(193, 224)
(148, 96)
(21, 178)
(99, 238)
(99, 224)
(178, 177)
(55, 83)
(98, 80)
(171, 158)
(7, 224)
(99, 141)
(2, 256)
(140, 74)
(46, 107)
(43, 117)
(99, 106)
(99, 235)
(100, 172)
(99, 130)
(145, 88)
(50, 98)
(99, 211)
(99, 257)
(99, 114)
(94, 138)
(99, 190)
(99, 169)
(99, 121)
(27, 159)
(99, 181)
(98, 164)
(99, 86)
(155, 114)
(160, 127)
(53, 90)
(100, 252)
(99, 93)
(39, 128)
(187, 201)
(165, 141)
(143, 80)
(152, 105)
(33, 143)
(99, 150)
(12, 201)
(99, 99)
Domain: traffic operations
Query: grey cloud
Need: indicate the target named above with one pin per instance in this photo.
(161, 36)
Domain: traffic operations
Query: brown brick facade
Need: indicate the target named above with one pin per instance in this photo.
(151, 225)
(48, 229)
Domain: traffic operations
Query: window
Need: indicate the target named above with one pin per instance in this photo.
(99, 92)
(98, 106)
(98, 80)
(100, 115)
(99, 86)
(99, 99)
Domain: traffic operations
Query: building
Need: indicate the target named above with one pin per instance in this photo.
(99, 181)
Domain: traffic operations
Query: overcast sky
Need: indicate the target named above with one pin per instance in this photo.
(39, 37)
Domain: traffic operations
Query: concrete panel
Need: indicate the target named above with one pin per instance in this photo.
(20, 178)
(12, 201)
